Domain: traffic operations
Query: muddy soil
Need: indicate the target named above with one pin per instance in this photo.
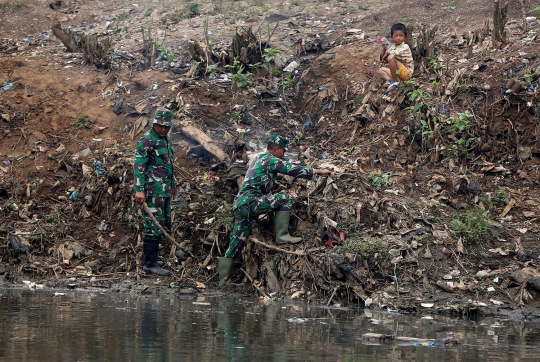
(386, 231)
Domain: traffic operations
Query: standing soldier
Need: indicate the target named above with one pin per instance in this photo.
(155, 184)
(255, 198)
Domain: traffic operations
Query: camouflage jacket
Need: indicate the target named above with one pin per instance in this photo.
(154, 165)
(261, 175)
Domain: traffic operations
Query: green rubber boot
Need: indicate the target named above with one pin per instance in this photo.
(282, 229)
(225, 266)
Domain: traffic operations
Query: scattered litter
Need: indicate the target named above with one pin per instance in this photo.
(6, 86)
(292, 66)
(99, 168)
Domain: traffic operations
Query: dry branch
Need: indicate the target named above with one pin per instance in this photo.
(167, 236)
(500, 17)
(64, 37)
(273, 247)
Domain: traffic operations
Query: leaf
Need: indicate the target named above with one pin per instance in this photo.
(138, 126)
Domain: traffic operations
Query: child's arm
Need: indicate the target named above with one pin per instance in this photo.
(384, 55)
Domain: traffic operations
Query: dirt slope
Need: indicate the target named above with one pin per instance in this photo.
(379, 232)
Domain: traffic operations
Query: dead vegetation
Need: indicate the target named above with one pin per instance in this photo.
(431, 182)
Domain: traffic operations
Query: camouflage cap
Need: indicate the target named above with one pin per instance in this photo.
(163, 117)
(280, 141)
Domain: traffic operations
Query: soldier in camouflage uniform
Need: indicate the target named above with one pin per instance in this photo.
(255, 198)
(154, 183)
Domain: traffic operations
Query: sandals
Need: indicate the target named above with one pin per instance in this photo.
(392, 87)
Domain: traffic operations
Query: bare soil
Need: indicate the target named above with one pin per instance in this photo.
(94, 241)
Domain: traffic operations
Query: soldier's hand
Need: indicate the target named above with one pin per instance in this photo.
(323, 172)
(139, 197)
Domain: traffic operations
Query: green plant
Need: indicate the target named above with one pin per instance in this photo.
(536, 10)
(471, 225)
(501, 197)
(148, 12)
(422, 95)
(405, 20)
(83, 121)
(364, 248)
(528, 76)
(461, 124)
(212, 68)
(269, 54)
(165, 53)
(16, 3)
(208, 38)
(240, 79)
(434, 65)
(426, 130)
(287, 82)
(363, 7)
(275, 71)
(451, 5)
(192, 10)
(379, 180)
(234, 66)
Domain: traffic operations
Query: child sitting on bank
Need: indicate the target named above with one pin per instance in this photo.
(398, 57)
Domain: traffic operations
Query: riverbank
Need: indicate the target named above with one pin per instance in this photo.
(433, 207)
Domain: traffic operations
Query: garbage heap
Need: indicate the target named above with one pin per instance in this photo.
(433, 201)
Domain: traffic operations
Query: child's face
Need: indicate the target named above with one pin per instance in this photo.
(398, 37)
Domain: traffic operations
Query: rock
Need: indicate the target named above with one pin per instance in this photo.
(194, 206)
(530, 275)
(474, 187)
(17, 244)
(180, 254)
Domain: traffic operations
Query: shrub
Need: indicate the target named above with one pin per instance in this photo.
(471, 225)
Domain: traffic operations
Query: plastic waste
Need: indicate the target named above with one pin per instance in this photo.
(74, 195)
(309, 121)
(99, 168)
(292, 66)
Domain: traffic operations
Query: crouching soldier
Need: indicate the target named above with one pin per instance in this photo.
(255, 198)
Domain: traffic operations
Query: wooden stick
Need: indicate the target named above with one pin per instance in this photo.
(332, 296)
(252, 283)
(167, 236)
(301, 253)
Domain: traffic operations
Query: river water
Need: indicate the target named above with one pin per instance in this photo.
(94, 326)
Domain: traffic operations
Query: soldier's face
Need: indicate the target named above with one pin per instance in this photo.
(162, 131)
(278, 152)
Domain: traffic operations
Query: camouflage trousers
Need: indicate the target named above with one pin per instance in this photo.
(244, 214)
(161, 209)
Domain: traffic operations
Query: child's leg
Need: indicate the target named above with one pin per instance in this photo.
(394, 66)
(385, 73)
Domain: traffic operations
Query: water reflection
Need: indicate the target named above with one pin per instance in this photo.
(39, 326)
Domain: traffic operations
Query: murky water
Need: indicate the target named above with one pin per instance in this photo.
(41, 326)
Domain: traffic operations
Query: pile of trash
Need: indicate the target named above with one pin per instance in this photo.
(433, 202)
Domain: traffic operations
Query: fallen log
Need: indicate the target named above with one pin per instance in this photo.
(379, 337)
(205, 141)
